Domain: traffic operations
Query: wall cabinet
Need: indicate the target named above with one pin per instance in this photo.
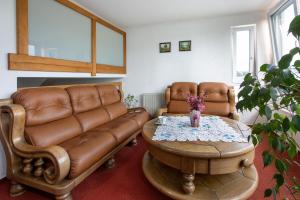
(58, 35)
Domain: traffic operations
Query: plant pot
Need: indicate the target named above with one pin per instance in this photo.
(195, 118)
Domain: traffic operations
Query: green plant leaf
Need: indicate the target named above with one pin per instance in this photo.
(295, 27)
(274, 93)
(267, 158)
(280, 165)
(286, 124)
(254, 140)
(279, 179)
(245, 91)
(292, 150)
(268, 112)
(297, 64)
(297, 188)
(264, 67)
(297, 109)
(268, 193)
(296, 121)
(285, 61)
(294, 51)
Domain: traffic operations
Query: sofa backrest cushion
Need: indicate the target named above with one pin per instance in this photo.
(87, 106)
(83, 98)
(116, 110)
(43, 105)
(181, 90)
(109, 94)
(49, 118)
(215, 97)
(110, 97)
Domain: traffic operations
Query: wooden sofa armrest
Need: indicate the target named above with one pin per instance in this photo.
(161, 111)
(53, 163)
(137, 109)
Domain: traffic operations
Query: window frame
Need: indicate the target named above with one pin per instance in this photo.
(24, 62)
(252, 50)
(282, 5)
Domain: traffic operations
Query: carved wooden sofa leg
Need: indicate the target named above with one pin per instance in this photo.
(66, 196)
(133, 142)
(16, 189)
(110, 163)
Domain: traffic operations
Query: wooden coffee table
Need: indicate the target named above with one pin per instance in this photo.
(201, 170)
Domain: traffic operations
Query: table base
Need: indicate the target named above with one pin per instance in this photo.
(238, 185)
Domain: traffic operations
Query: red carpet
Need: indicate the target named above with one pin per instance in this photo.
(127, 182)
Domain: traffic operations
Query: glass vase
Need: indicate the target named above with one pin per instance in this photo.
(195, 118)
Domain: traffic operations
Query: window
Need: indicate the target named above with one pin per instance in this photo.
(280, 19)
(243, 51)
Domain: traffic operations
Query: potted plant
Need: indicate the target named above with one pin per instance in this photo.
(130, 101)
(278, 89)
(197, 106)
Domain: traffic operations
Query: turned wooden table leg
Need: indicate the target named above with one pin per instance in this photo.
(188, 184)
(66, 196)
(110, 163)
(16, 189)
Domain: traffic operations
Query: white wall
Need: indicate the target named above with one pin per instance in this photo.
(210, 59)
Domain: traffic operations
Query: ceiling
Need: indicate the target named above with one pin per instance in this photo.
(128, 13)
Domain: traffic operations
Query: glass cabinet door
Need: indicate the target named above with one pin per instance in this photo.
(57, 31)
(109, 45)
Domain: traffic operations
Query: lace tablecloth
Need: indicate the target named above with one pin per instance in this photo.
(212, 128)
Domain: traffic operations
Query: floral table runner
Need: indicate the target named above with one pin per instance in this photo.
(212, 128)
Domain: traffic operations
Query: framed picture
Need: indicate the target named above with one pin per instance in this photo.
(185, 45)
(165, 47)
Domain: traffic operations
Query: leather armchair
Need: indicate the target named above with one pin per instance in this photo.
(219, 98)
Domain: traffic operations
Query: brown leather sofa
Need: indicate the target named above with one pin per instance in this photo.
(55, 137)
(219, 98)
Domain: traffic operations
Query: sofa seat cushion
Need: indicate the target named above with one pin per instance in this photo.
(121, 128)
(140, 116)
(52, 133)
(86, 149)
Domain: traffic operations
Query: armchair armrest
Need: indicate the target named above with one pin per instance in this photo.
(233, 112)
(53, 163)
(161, 111)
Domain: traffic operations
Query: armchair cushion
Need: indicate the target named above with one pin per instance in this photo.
(219, 109)
(214, 92)
(178, 107)
(180, 90)
(216, 98)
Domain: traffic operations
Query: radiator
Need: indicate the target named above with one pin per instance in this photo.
(152, 102)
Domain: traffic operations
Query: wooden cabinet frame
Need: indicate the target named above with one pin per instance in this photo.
(22, 61)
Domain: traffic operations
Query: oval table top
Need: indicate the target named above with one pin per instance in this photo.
(202, 149)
